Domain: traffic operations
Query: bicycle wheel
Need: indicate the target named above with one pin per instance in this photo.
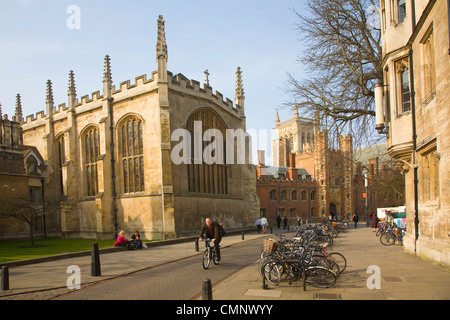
(334, 232)
(206, 259)
(320, 277)
(387, 239)
(325, 262)
(263, 261)
(272, 272)
(340, 260)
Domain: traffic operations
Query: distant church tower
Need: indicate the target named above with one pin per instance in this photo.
(307, 142)
(295, 135)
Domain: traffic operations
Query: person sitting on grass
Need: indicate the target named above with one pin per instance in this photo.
(121, 241)
(136, 240)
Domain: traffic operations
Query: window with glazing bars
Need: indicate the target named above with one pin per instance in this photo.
(92, 151)
(207, 178)
(132, 155)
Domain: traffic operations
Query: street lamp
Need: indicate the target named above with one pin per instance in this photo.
(366, 185)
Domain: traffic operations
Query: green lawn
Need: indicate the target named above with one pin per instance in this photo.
(20, 250)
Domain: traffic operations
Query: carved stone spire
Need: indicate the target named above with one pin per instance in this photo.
(49, 98)
(1, 115)
(72, 92)
(239, 96)
(72, 89)
(296, 115)
(19, 113)
(277, 118)
(161, 45)
(107, 78)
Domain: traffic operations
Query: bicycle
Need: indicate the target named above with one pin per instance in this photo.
(391, 235)
(300, 268)
(209, 254)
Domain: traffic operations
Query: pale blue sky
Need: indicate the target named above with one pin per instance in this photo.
(258, 35)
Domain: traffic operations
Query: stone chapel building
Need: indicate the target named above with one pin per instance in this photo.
(111, 153)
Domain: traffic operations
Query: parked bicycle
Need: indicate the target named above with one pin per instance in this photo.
(209, 254)
(300, 258)
(392, 235)
(297, 268)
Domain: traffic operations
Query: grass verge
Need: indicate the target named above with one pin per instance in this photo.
(21, 250)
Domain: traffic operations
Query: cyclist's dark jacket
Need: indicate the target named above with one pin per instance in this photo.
(213, 233)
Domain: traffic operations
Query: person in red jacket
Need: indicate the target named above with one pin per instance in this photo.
(121, 241)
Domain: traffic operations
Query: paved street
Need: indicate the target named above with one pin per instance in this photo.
(180, 280)
(174, 272)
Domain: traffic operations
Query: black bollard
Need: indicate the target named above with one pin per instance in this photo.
(5, 278)
(271, 231)
(207, 290)
(95, 261)
(242, 235)
(196, 245)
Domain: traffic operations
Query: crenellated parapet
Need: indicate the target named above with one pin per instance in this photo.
(309, 181)
(182, 85)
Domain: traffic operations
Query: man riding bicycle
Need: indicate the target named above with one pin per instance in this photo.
(211, 230)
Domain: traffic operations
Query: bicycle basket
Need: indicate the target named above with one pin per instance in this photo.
(270, 245)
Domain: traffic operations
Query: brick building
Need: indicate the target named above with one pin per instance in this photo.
(22, 176)
(286, 191)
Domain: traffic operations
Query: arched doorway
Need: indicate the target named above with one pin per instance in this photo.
(332, 210)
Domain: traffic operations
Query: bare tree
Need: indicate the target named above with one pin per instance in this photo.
(22, 208)
(342, 60)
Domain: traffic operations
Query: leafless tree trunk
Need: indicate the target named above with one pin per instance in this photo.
(342, 59)
(22, 208)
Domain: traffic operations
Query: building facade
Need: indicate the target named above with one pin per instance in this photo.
(22, 175)
(413, 112)
(111, 153)
(304, 143)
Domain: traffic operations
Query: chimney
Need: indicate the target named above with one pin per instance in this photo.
(261, 158)
(292, 171)
(261, 170)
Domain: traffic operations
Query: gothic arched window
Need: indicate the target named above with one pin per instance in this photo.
(304, 195)
(61, 159)
(132, 155)
(294, 195)
(91, 153)
(207, 178)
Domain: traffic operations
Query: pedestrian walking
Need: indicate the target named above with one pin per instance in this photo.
(375, 221)
(264, 224)
(285, 223)
(278, 221)
(258, 225)
(355, 219)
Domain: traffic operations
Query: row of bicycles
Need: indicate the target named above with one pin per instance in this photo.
(304, 258)
(390, 233)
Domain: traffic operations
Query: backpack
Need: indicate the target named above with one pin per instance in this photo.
(222, 230)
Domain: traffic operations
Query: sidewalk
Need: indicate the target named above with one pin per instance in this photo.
(403, 276)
